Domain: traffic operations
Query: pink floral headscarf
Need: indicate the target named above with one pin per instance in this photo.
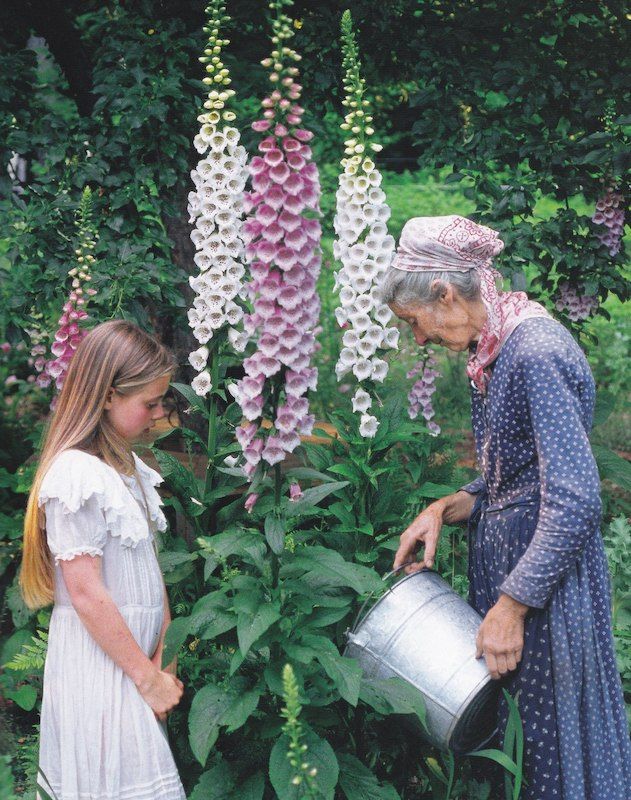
(456, 244)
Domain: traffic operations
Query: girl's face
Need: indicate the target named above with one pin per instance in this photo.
(134, 414)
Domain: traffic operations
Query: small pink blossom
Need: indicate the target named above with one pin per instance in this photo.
(275, 197)
(250, 502)
(274, 452)
(295, 492)
(43, 380)
(280, 173)
(578, 307)
(421, 392)
(610, 213)
(274, 157)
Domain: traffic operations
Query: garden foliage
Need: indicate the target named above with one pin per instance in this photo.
(515, 109)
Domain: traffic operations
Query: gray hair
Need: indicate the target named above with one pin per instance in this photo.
(403, 288)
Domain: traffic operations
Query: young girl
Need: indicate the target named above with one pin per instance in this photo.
(94, 509)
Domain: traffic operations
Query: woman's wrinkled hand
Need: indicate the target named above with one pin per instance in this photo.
(500, 637)
(424, 530)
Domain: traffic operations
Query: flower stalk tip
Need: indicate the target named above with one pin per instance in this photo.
(363, 245)
(215, 209)
(282, 238)
(69, 333)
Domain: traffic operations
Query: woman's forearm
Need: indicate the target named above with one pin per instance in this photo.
(457, 507)
(105, 624)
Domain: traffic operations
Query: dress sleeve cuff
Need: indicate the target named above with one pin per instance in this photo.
(475, 487)
(516, 587)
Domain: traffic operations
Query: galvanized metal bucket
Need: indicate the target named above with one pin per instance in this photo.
(423, 632)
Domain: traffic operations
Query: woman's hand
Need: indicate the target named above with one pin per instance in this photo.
(161, 691)
(501, 636)
(425, 529)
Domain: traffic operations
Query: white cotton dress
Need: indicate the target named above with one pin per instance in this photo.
(99, 739)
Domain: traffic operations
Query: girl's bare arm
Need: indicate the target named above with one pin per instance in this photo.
(104, 622)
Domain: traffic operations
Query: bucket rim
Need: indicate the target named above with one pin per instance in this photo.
(361, 619)
(485, 681)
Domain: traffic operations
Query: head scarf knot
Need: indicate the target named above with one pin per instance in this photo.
(457, 244)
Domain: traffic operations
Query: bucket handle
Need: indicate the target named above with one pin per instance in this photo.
(384, 578)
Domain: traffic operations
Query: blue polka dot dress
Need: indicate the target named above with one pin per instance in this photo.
(535, 535)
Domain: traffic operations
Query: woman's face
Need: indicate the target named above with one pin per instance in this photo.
(449, 321)
(134, 414)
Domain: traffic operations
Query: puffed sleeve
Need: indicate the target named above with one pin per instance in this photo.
(74, 533)
(559, 391)
(73, 495)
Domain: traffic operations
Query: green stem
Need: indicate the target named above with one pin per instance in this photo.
(278, 483)
(211, 446)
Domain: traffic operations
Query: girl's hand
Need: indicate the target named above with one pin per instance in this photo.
(425, 529)
(156, 659)
(161, 691)
(501, 636)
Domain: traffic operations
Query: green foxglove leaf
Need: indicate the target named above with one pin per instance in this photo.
(311, 497)
(319, 754)
(212, 615)
(234, 542)
(169, 561)
(175, 637)
(208, 708)
(243, 706)
(499, 757)
(275, 532)
(251, 627)
(217, 783)
(345, 673)
(435, 490)
(324, 566)
(359, 783)
(252, 788)
(25, 696)
(612, 467)
(308, 474)
(392, 696)
(191, 397)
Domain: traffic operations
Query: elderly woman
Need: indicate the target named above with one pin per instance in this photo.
(537, 566)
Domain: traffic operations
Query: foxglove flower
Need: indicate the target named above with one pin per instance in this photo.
(282, 235)
(368, 426)
(215, 209)
(295, 492)
(609, 212)
(420, 395)
(69, 333)
(363, 245)
(578, 306)
(250, 502)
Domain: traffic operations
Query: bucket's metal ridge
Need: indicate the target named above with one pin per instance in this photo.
(424, 633)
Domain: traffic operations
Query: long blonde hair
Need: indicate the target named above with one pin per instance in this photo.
(115, 354)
